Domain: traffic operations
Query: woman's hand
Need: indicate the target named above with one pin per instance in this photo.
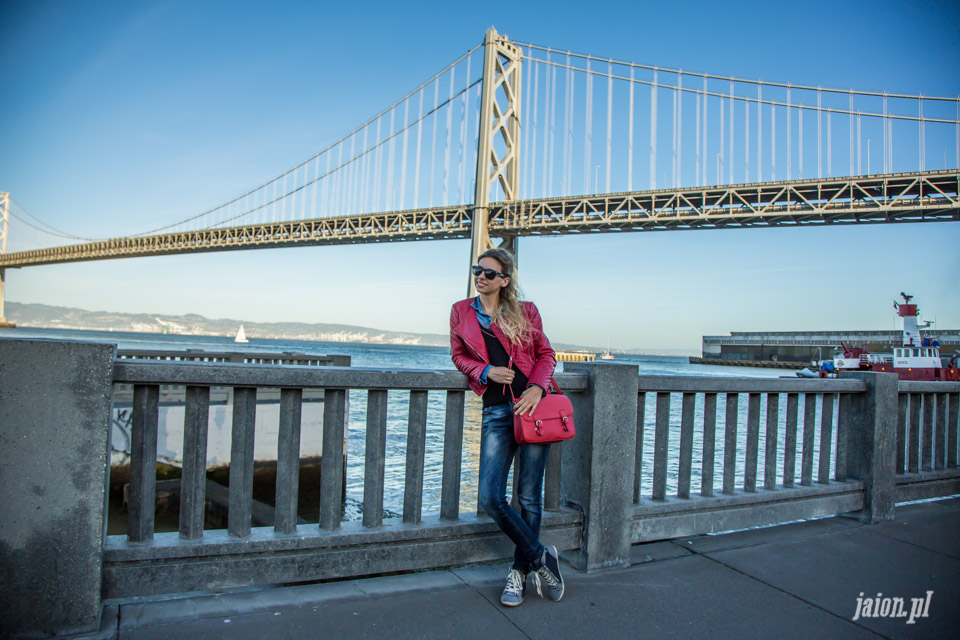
(501, 375)
(528, 401)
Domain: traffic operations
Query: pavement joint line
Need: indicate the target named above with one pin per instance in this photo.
(498, 609)
(234, 603)
(912, 544)
(115, 631)
(794, 596)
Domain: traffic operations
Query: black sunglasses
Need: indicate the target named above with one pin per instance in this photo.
(489, 274)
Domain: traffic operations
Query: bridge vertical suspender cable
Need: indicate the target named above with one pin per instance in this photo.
(730, 159)
(820, 135)
(759, 133)
(606, 176)
(653, 132)
(588, 135)
(800, 143)
(568, 142)
(746, 142)
(789, 136)
(721, 156)
(706, 156)
(630, 135)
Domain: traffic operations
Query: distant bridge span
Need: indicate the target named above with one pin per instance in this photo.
(928, 196)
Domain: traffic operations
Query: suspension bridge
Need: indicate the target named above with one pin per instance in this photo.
(515, 140)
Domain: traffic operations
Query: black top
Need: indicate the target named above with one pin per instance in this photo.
(497, 393)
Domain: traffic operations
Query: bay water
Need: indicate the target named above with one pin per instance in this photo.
(423, 357)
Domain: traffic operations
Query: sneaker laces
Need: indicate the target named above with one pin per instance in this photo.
(545, 573)
(515, 583)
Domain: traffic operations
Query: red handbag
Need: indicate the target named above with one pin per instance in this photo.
(551, 421)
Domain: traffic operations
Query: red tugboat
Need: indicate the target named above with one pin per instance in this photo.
(918, 358)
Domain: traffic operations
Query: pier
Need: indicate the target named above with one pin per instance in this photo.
(235, 357)
(855, 445)
(764, 364)
(575, 356)
(794, 349)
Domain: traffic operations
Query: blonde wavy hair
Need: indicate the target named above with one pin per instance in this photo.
(509, 314)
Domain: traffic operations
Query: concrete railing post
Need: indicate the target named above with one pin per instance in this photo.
(868, 424)
(598, 464)
(55, 402)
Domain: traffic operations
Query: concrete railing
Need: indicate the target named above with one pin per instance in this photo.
(647, 464)
(926, 450)
(783, 453)
(143, 562)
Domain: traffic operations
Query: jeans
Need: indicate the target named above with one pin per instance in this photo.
(497, 449)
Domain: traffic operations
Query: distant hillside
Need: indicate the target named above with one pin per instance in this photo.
(51, 317)
(42, 315)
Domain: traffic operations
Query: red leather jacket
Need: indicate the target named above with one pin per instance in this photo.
(468, 351)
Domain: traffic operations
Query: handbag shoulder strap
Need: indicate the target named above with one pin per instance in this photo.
(556, 386)
(546, 391)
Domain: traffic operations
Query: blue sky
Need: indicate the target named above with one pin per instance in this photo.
(122, 116)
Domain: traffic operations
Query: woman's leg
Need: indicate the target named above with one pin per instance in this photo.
(528, 475)
(497, 447)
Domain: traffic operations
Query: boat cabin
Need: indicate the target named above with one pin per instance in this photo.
(921, 358)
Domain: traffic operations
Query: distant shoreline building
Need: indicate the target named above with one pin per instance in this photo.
(789, 348)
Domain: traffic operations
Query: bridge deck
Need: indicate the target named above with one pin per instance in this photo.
(928, 196)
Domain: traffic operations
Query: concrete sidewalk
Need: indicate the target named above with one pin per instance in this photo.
(799, 580)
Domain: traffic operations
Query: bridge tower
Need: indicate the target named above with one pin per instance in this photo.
(4, 221)
(498, 150)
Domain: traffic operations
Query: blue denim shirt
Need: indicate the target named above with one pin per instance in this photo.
(485, 320)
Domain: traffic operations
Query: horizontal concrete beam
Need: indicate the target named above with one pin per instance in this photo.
(749, 385)
(170, 564)
(650, 508)
(267, 376)
(309, 537)
(662, 526)
(927, 489)
(927, 484)
(917, 386)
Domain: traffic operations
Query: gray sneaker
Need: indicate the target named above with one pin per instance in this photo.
(513, 593)
(549, 572)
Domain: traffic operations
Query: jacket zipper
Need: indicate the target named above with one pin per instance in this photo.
(467, 342)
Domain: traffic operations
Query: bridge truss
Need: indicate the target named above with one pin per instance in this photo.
(931, 196)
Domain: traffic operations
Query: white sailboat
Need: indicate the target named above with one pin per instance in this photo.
(241, 336)
(606, 355)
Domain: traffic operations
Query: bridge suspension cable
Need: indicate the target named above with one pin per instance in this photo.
(39, 224)
(783, 85)
(741, 98)
(354, 187)
(27, 231)
(729, 136)
(401, 158)
(346, 163)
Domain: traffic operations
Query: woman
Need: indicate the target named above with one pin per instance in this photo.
(498, 342)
